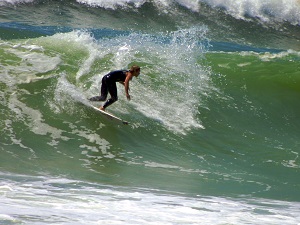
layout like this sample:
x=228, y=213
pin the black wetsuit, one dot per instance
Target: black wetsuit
x=109, y=86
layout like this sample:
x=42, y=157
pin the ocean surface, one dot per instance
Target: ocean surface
x=214, y=133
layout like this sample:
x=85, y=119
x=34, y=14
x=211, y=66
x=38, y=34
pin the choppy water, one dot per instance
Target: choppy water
x=214, y=117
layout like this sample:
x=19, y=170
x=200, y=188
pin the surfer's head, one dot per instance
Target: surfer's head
x=135, y=70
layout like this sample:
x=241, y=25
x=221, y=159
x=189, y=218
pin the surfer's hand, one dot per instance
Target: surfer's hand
x=128, y=97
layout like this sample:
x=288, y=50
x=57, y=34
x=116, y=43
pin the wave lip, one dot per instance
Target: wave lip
x=265, y=11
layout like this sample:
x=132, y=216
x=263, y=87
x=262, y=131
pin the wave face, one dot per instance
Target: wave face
x=214, y=127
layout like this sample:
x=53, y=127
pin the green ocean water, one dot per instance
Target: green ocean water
x=214, y=117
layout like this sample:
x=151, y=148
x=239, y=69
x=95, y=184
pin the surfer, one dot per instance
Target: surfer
x=109, y=85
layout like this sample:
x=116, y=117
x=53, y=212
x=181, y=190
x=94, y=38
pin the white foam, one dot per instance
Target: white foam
x=4, y=2
x=112, y=4
x=33, y=63
x=48, y=200
x=160, y=165
x=266, y=11
x=171, y=96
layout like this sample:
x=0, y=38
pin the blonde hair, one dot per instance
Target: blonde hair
x=134, y=68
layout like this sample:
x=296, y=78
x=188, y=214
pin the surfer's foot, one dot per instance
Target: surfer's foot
x=102, y=108
x=95, y=98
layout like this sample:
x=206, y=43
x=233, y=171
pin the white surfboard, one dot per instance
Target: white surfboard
x=109, y=115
